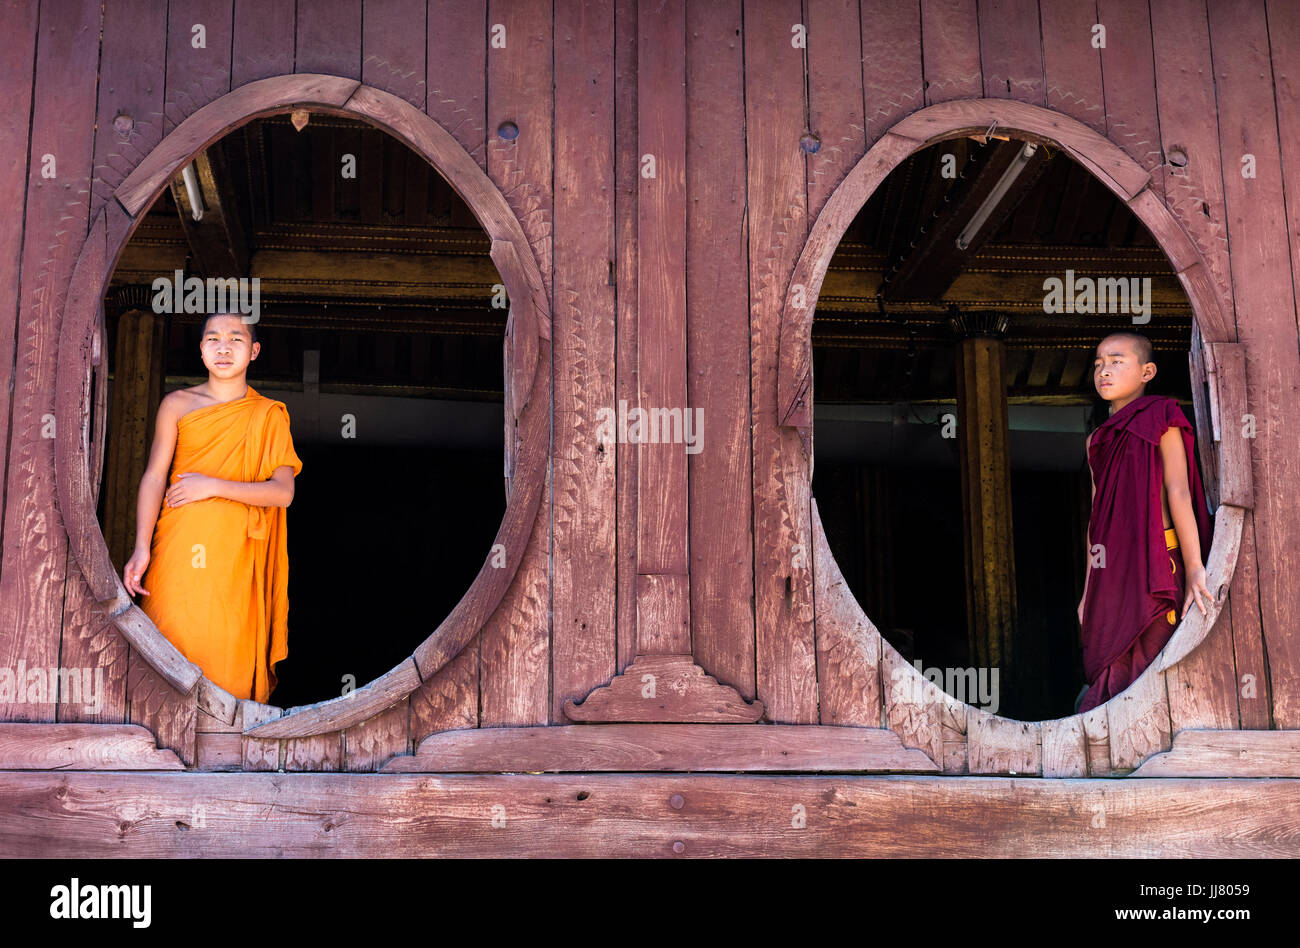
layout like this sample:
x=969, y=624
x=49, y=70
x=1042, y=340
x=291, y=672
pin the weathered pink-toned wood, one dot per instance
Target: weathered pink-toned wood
x=1227, y=753
x=785, y=648
x=664, y=747
x=891, y=63
x=921, y=713
x=264, y=40
x=198, y=56
x=515, y=678
x=457, y=71
x=717, y=341
x=996, y=745
x=950, y=46
x=217, y=751
x=218, y=704
x=394, y=45
x=366, y=746
x=449, y=699
x=848, y=644
x=259, y=754
x=1138, y=720
x=82, y=747
x=664, y=689
x=153, y=702
x=84, y=815
x=1128, y=80
x=1071, y=65
x=329, y=38
x=1265, y=305
x=584, y=585
x=346, y=711
x=1096, y=734
x=1011, y=50
x=321, y=752
x=1064, y=747
x=835, y=98
x=54, y=223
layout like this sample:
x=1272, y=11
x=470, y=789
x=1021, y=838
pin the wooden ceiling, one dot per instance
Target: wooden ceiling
x=387, y=273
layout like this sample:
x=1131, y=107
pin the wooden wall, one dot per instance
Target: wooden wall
x=724, y=529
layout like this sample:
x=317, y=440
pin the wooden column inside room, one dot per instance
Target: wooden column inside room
x=983, y=439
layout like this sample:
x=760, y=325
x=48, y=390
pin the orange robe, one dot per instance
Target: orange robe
x=219, y=569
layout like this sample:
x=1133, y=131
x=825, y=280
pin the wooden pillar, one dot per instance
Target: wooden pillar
x=138, y=365
x=983, y=438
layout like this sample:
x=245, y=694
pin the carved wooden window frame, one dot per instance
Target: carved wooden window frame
x=1217, y=372
x=81, y=370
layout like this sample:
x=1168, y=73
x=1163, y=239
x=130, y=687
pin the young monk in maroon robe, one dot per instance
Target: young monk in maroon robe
x=1149, y=524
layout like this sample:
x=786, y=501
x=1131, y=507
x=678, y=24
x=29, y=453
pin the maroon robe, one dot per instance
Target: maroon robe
x=1135, y=590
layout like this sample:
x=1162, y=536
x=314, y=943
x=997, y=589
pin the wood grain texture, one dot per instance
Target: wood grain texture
x=1227, y=753
x=82, y=747
x=33, y=563
x=627, y=174
x=1128, y=81
x=950, y=46
x=198, y=57
x=152, y=702
x=82, y=815
x=329, y=38
x=997, y=745
x=848, y=644
x=1266, y=324
x=515, y=675
x=366, y=746
x=259, y=754
x=1064, y=747
x=920, y=712
x=664, y=747
x=394, y=45
x=584, y=551
x=1096, y=735
x=449, y=699
x=835, y=96
x=19, y=43
x=1011, y=50
x=457, y=72
x=1138, y=720
x=264, y=40
x=321, y=752
x=1071, y=65
x=663, y=603
x=343, y=712
x=664, y=689
x=785, y=648
x=717, y=349
x=891, y=63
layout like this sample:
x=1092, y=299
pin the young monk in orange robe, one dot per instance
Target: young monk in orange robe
x=218, y=564
x=1149, y=521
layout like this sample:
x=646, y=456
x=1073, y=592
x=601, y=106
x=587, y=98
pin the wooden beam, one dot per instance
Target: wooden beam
x=1198, y=753
x=86, y=815
x=82, y=747
x=664, y=747
x=935, y=260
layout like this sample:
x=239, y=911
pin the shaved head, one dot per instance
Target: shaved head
x=1140, y=343
x=251, y=327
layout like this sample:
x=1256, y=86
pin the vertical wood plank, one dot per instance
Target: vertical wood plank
x=717, y=348
x=1128, y=78
x=515, y=679
x=198, y=56
x=774, y=110
x=155, y=704
x=322, y=752
x=263, y=40
x=848, y=645
x=627, y=176
x=33, y=566
x=372, y=743
x=583, y=650
x=1071, y=65
x=835, y=100
x=950, y=50
x=457, y=71
x=892, y=80
x=1011, y=52
x=131, y=68
x=329, y=38
x=1266, y=324
x=662, y=492
x=394, y=44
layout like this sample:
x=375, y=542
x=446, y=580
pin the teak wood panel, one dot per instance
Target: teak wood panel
x=1152, y=103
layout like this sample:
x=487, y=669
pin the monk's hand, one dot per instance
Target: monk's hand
x=189, y=487
x=1195, y=589
x=133, y=572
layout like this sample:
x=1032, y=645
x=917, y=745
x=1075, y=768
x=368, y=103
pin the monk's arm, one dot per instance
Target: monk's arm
x=276, y=492
x=1087, y=547
x=153, y=483
x=1174, y=459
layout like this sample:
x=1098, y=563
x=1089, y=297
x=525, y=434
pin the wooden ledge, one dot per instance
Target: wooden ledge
x=82, y=747
x=1227, y=754
x=754, y=748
